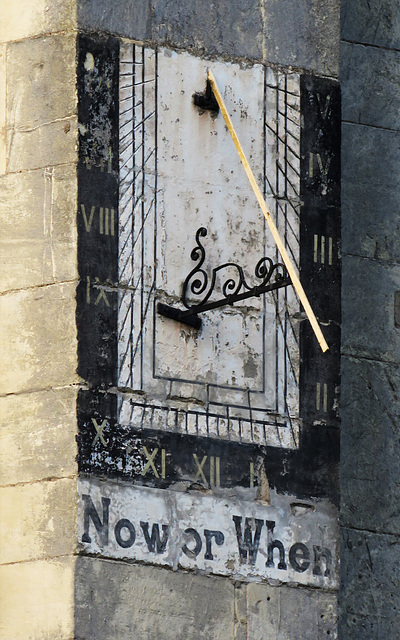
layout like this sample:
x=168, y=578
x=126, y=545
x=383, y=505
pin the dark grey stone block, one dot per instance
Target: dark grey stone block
x=368, y=328
x=120, y=601
x=225, y=27
x=353, y=627
x=296, y=32
x=370, y=594
x=128, y=18
x=359, y=145
x=370, y=80
x=303, y=34
x=370, y=221
x=370, y=192
x=286, y=612
x=370, y=452
x=371, y=21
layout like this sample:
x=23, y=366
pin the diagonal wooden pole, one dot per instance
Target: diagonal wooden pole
x=281, y=247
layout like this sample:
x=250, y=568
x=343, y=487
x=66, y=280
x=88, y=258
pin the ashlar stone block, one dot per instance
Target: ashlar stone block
x=3, y=90
x=371, y=22
x=22, y=19
x=229, y=28
x=370, y=79
x=370, y=188
x=118, y=600
x=37, y=600
x=48, y=145
x=38, y=241
x=38, y=338
x=40, y=81
x=127, y=18
x=370, y=466
x=370, y=599
x=41, y=102
x=369, y=288
x=38, y=520
x=284, y=613
x=303, y=34
x=37, y=436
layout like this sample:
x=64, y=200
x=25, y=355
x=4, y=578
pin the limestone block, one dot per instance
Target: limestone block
x=40, y=81
x=303, y=34
x=369, y=288
x=37, y=600
x=38, y=338
x=37, y=435
x=370, y=600
x=117, y=600
x=22, y=19
x=371, y=22
x=231, y=28
x=49, y=144
x=41, y=102
x=38, y=241
x=370, y=467
x=38, y=520
x=129, y=18
x=284, y=613
x=370, y=188
x=378, y=70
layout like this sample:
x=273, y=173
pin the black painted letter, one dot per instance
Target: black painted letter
x=90, y=512
x=209, y=535
x=276, y=544
x=125, y=524
x=154, y=543
x=246, y=544
x=322, y=552
x=299, y=557
x=192, y=553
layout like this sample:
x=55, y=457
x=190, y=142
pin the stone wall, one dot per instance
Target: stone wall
x=125, y=434
x=53, y=586
x=38, y=188
x=370, y=203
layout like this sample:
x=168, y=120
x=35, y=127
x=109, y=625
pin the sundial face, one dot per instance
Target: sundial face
x=237, y=378
x=243, y=408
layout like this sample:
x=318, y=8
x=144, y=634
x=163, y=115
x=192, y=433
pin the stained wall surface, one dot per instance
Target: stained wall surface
x=370, y=201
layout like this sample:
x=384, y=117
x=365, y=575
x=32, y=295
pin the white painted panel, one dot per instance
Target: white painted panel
x=295, y=543
x=179, y=170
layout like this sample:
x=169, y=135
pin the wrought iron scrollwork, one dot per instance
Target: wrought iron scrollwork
x=200, y=282
x=199, y=285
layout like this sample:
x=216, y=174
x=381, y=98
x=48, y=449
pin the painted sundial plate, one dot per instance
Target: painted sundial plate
x=244, y=362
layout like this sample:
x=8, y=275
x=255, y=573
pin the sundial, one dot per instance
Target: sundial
x=200, y=180
x=206, y=372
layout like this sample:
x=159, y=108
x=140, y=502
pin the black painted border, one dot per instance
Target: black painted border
x=310, y=471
